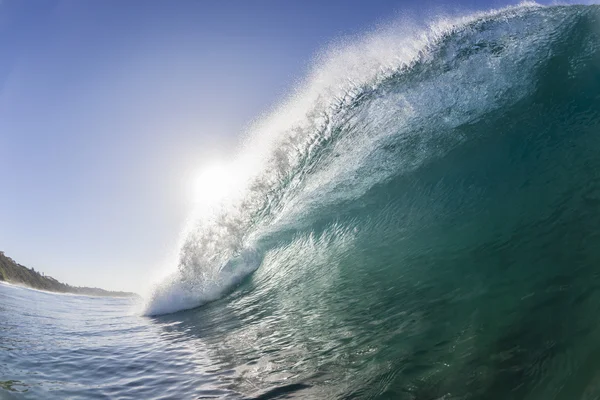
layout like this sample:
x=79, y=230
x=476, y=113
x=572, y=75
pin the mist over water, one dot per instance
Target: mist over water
x=418, y=221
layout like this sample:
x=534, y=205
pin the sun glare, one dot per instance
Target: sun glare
x=211, y=184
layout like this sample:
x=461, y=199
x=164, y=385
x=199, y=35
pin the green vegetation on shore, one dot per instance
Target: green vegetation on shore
x=17, y=274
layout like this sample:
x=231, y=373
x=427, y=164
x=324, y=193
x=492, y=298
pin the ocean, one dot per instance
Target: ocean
x=417, y=221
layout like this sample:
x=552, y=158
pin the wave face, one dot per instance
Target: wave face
x=418, y=221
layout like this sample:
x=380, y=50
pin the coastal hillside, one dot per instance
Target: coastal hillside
x=12, y=272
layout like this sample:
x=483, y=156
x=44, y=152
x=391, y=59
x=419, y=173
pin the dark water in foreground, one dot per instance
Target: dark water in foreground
x=77, y=347
x=434, y=237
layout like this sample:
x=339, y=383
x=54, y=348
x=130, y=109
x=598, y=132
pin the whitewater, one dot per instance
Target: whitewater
x=418, y=220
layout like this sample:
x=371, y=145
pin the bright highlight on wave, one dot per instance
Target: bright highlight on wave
x=212, y=184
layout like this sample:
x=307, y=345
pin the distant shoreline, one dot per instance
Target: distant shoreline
x=17, y=274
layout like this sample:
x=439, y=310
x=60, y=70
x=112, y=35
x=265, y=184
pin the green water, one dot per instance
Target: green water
x=465, y=262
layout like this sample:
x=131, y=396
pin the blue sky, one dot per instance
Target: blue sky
x=107, y=108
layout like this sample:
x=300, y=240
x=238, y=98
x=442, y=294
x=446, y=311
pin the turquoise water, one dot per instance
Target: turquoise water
x=422, y=224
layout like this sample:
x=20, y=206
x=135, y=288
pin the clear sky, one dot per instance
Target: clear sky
x=108, y=109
